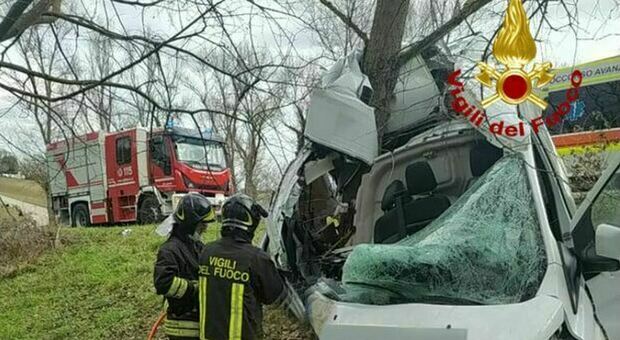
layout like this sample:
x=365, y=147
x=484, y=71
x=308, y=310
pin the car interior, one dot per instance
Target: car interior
x=411, y=208
x=400, y=195
x=411, y=203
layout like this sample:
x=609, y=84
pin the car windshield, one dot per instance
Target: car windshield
x=192, y=151
x=487, y=248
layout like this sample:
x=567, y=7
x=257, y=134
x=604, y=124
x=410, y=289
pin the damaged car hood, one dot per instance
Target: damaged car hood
x=534, y=319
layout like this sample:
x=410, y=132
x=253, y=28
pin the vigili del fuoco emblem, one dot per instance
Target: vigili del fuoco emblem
x=514, y=47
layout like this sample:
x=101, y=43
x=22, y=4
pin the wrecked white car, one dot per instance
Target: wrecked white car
x=454, y=234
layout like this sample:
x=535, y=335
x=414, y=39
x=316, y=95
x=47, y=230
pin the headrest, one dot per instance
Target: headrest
x=482, y=157
x=393, y=191
x=420, y=178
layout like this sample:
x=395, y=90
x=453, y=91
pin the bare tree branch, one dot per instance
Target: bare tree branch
x=414, y=49
x=138, y=3
x=346, y=20
x=14, y=14
x=35, y=16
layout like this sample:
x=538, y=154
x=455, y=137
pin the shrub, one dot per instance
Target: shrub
x=34, y=169
x=21, y=240
x=587, y=168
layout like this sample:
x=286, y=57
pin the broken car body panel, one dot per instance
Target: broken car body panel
x=581, y=322
x=339, y=116
x=416, y=96
x=282, y=207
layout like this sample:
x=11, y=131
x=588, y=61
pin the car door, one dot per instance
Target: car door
x=601, y=209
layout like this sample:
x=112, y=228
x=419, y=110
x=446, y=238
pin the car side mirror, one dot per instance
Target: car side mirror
x=602, y=255
x=608, y=241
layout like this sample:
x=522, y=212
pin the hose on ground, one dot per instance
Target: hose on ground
x=156, y=325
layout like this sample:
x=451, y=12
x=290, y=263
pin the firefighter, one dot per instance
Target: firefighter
x=176, y=269
x=236, y=278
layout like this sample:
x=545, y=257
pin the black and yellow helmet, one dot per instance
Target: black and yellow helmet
x=243, y=212
x=193, y=209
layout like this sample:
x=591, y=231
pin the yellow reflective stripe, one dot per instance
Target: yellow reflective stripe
x=210, y=216
x=177, y=288
x=186, y=324
x=182, y=288
x=236, y=312
x=182, y=332
x=174, y=287
x=181, y=328
x=202, y=297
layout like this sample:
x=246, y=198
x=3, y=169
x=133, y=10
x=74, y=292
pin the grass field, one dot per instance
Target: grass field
x=23, y=190
x=97, y=286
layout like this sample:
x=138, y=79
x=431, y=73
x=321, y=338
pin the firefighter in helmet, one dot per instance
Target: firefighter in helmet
x=176, y=269
x=236, y=278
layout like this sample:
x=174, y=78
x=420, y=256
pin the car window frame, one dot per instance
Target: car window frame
x=570, y=269
x=563, y=212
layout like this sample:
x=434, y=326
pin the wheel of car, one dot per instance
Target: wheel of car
x=80, y=216
x=149, y=211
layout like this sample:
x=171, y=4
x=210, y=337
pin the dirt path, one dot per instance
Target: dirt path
x=39, y=214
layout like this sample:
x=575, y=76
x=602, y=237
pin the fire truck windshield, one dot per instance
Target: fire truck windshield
x=192, y=152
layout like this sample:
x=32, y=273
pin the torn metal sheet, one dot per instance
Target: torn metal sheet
x=416, y=96
x=284, y=205
x=318, y=168
x=338, y=117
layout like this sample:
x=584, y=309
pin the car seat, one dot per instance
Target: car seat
x=390, y=227
x=425, y=205
x=482, y=156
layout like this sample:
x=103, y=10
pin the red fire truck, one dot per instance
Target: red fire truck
x=133, y=176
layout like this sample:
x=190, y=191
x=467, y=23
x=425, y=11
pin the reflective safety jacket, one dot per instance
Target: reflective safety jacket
x=236, y=278
x=176, y=278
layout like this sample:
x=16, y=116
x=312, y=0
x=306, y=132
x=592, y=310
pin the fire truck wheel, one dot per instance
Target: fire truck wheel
x=80, y=216
x=149, y=211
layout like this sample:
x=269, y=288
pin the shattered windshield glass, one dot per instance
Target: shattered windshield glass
x=485, y=249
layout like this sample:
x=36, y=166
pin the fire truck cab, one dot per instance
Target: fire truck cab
x=134, y=176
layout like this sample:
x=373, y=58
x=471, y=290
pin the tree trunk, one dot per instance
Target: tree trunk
x=230, y=161
x=250, y=181
x=381, y=55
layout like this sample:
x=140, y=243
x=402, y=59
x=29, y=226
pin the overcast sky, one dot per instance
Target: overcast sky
x=597, y=38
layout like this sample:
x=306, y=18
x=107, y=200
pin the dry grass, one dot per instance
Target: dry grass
x=23, y=190
x=280, y=325
x=21, y=241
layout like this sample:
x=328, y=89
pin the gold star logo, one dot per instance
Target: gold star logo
x=514, y=47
